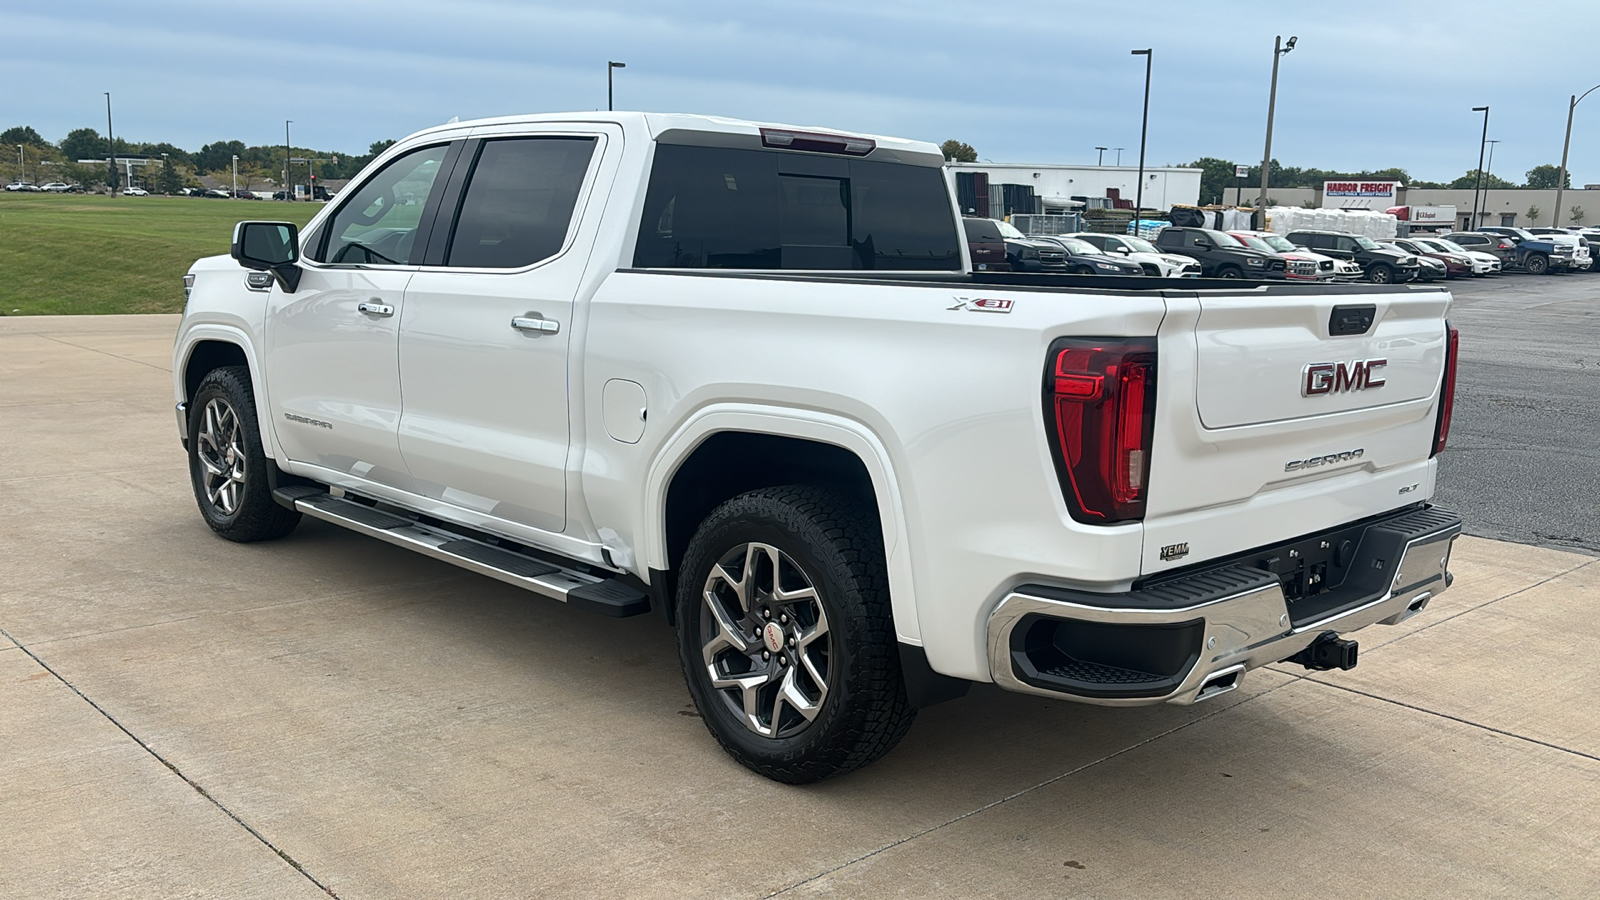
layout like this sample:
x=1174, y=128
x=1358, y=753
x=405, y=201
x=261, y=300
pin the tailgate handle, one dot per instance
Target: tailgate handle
x=1353, y=319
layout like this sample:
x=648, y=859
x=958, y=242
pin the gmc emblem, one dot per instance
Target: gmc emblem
x=1339, y=378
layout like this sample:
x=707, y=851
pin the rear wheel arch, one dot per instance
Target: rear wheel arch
x=720, y=455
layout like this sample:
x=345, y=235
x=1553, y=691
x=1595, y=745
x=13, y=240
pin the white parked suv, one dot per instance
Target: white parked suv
x=1147, y=255
x=742, y=377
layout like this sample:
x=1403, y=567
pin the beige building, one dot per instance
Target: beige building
x=1507, y=206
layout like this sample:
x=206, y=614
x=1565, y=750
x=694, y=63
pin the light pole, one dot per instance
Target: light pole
x=236, y=176
x=1488, y=174
x=1279, y=50
x=166, y=178
x=288, y=192
x=1478, y=182
x=1102, y=160
x=611, y=67
x=1119, y=155
x=1138, y=194
x=1561, y=178
x=111, y=150
x=22, y=165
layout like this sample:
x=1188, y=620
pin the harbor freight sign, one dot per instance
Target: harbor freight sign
x=1373, y=189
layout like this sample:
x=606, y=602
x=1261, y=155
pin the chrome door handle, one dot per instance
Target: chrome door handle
x=375, y=308
x=536, y=323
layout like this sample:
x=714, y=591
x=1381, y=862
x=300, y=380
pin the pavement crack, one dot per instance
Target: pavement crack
x=198, y=788
x=102, y=352
x=1028, y=790
x=1458, y=719
x=1472, y=609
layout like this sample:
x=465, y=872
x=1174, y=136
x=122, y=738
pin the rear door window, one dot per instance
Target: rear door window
x=727, y=208
x=519, y=201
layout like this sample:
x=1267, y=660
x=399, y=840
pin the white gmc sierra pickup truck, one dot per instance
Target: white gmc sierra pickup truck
x=743, y=376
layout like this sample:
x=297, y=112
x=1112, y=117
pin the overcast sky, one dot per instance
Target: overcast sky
x=1376, y=85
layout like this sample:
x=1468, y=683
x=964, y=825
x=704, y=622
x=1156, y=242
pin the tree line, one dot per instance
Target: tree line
x=262, y=165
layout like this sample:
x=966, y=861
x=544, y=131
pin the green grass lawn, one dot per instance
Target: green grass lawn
x=64, y=254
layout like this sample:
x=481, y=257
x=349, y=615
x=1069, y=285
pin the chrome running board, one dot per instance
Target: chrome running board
x=570, y=585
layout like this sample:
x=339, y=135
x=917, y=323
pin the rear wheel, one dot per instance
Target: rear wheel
x=227, y=467
x=785, y=634
x=1380, y=274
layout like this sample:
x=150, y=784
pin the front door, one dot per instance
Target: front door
x=486, y=329
x=332, y=345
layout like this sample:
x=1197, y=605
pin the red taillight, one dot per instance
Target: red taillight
x=1447, y=390
x=1100, y=406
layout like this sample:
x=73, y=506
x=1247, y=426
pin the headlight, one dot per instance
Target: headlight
x=1254, y=261
x=1109, y=267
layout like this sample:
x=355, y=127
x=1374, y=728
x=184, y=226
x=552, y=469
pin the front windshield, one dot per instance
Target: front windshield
x=1255, y=243
x=1140, y=245
x=1224, y=240
x=1077, y=246
x=1278, y=242
x=1008, y=230
x=1366, y=243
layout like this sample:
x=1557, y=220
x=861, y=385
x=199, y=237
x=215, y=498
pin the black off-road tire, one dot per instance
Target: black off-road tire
x=838, y=545
x=1230, y=272
x=255, y=516
x=1380, y=274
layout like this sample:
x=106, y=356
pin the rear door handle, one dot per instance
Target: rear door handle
x=373, y=307
x=536, y=323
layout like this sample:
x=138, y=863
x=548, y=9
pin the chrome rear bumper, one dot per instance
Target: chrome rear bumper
x=1212, y=625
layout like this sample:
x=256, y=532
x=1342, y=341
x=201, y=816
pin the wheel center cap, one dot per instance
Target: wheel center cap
x=772, y=636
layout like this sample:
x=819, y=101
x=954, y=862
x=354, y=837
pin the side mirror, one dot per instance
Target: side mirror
x=269, y=247
x=1124, y=250
x=1202, y=242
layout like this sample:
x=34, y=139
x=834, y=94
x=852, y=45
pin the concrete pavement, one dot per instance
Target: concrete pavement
x=326, y=714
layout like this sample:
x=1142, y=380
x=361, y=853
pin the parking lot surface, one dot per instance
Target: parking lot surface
x=327, y=714
x=1524, y=456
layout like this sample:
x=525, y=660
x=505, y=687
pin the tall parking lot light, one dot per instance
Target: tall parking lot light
x=611, y=67
x=1279, y=50
x=1561, y=178
x=111, y=150
x=1488, y=173
x=1138, y=194
x=236, y=176
x=1478, y=182
x=288, y=192
x=1102, y=158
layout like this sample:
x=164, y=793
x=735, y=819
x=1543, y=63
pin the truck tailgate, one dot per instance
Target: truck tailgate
x=1280, y=415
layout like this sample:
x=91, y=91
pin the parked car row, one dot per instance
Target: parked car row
x=52, y=187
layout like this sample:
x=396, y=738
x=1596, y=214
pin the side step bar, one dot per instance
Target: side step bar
x=606, y=596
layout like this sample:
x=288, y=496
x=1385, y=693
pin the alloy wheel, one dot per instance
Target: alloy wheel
x=765, y=640
x=222, y=454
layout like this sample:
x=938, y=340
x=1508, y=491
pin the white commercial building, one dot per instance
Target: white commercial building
x=1063, y=188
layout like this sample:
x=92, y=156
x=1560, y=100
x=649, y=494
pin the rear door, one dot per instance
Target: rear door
x=1277, y=415
x=487, y=324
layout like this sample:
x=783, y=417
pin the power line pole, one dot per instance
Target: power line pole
x=1278, y=52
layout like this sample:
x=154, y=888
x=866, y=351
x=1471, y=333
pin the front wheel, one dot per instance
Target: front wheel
x=1230, y=272
x=786, y=637
x=1538, y=264
x=227, y=466
x=1380, y=274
